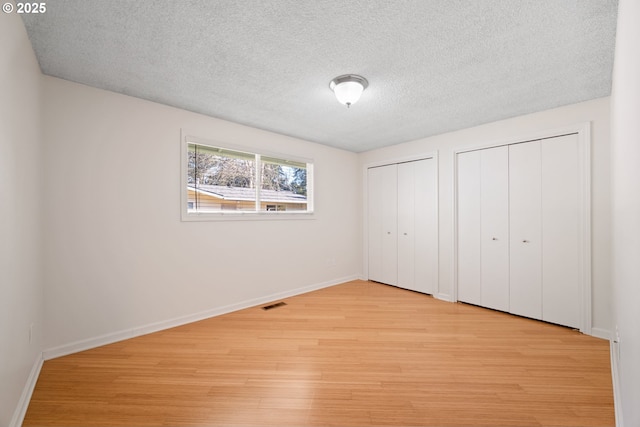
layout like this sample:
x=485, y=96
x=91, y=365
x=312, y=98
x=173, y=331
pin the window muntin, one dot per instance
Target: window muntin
x=221, y=180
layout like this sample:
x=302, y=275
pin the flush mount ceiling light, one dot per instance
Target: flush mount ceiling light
x=348, y=88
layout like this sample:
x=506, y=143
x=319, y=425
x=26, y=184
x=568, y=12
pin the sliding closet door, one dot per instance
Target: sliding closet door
x=469, y=256
x=417, y=226
x=494, y=214
x=383, y=224
x=525, y=230
x=561, y=233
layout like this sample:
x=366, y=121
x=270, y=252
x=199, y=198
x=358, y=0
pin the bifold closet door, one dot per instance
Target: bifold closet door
x=561, y=234
x=383, y=224
x=494, y=217
x=469, y=242
x=406, y=225
x=520, y=241
x=417, y=225
x=545, y=237
x=483, y=229
x=525, y=272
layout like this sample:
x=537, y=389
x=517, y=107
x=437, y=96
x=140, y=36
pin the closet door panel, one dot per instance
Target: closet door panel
x=494, y=211
x=382, y=216
x=561, y=234
x=426, y=225
x=389, y=210
x=525, y=290
x=406, y=229
x=469, y=242
x=375, y=205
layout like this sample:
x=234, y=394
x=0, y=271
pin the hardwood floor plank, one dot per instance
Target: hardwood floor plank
x=355, y=354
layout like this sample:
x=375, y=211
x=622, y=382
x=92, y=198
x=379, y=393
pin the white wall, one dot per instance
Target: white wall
x=596, y=111
x=625, y=166
x=20, y=214
x=118, y=257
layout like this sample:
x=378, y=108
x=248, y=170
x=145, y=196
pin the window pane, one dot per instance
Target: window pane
x=220, y=180
x=284, y=185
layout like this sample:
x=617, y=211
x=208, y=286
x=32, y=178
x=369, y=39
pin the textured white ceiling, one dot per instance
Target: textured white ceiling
x=433, y=65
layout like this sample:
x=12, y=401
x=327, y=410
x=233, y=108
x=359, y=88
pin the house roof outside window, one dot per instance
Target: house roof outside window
x=248, y=194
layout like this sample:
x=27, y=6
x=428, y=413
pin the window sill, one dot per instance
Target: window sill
x=245, y=216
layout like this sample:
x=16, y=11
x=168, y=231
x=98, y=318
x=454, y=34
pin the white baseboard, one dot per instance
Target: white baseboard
x=111, y=338
x=25, y=398
x=605, y=334
x=615, y=377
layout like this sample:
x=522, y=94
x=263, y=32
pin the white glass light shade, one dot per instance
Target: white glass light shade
x=348, y=93
x=348, y=88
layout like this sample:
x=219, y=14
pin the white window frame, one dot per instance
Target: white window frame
x=187, y=215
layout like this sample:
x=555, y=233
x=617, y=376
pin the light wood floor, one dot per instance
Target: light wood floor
x=359, y=353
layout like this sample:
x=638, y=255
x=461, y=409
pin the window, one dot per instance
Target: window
x=222, y=181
